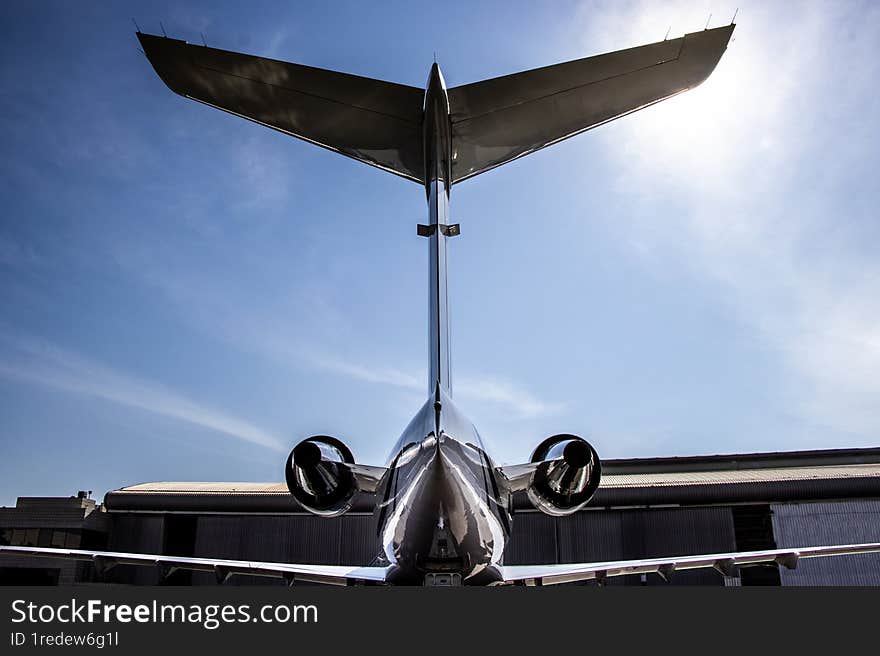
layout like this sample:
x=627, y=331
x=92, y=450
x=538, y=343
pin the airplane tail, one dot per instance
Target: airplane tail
x=502, y=119
x=379, y=123
x=493, y=122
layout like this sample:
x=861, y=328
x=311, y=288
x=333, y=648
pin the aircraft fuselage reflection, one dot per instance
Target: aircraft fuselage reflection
x=441, y=509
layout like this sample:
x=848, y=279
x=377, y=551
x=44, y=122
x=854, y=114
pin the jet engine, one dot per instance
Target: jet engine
x=319, y=475
x=567, y=476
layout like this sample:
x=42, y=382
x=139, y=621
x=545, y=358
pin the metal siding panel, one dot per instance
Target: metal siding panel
x=683, y=531
x=532, y=540
x=644, y=533
x=218, y=537
x=688, y=531
x=313, y=539
x=272, y=539
x=136, y=534
x=591, y=536
x=266, y=538
x=359, y=544
x=291, y=538
x=827, y=523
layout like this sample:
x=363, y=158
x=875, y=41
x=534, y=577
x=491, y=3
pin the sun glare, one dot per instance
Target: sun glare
x=703, y=129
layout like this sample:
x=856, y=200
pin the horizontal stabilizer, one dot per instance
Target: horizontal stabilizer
x=498, y=120
x=381, y=123
x=376, y=122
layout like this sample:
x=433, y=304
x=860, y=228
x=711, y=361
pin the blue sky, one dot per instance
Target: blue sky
x=184, y=295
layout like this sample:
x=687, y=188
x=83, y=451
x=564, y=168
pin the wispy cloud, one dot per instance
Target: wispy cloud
x=508, y=394
x=358, y=371
x=42, y=363
x=263, y=176
x=276, y=42
x=774, y=237
x=267, y=330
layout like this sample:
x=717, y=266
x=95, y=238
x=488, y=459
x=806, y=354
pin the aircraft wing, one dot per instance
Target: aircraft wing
x=498, y=120
x=223, y=569
x=376, y=122
x=726, y=563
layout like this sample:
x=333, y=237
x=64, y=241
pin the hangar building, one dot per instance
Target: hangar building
x=644, y=508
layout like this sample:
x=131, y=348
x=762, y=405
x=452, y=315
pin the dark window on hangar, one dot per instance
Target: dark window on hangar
x=91, y=539
x=753, y=525
x=42, y=537
x=24, y=537
x=180, y=540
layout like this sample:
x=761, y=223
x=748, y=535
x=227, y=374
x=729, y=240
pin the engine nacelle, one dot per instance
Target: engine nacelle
x=318, y=475
x=567, y=477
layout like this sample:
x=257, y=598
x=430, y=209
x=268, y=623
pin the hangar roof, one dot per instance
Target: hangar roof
x=692, y=480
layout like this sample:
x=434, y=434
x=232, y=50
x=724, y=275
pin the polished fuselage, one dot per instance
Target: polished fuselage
x=441, y=508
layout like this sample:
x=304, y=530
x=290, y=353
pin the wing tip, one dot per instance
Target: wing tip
x=702, y=51
x=161, y=51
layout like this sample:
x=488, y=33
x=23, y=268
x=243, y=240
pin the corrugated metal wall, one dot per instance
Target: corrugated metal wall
x=349, y=540
x=623, y=534
x=594, y=535
x=533, y=540
x=137, y=533
x=537, y=538
x=825, y=523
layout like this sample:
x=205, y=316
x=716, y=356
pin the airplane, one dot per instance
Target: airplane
x=443, y=508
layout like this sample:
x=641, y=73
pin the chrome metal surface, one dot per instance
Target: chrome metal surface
x=439, y=369
x=566, y=477
x=441, y=509
x=438, y=149
x=319, y=476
